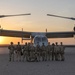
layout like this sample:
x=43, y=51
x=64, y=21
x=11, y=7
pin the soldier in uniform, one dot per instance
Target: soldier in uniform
x=38, y=52
x=57, y=52
x=62, y=51
x=11, y=51
x=53, y=51
x=43, y=52
x=49, y=51
x=25, y=48
x=32, y=57
x=18, y=51
x=28, y=52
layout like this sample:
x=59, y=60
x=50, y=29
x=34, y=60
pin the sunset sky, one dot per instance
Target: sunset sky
x=38, y=21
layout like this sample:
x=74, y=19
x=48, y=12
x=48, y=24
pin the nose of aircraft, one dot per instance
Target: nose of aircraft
x=40, y=40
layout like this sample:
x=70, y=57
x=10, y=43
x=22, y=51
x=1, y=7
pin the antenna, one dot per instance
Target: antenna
x=0, y=26
x=22, y=37
x=46, y=30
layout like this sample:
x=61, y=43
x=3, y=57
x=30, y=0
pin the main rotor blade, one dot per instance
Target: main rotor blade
x=2, y=16
x=61, y=16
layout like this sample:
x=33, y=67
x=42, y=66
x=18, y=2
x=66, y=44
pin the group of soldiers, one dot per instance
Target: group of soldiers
x=30, y=53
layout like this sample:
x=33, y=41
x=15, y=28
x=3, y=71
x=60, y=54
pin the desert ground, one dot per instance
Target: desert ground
x=66, y=67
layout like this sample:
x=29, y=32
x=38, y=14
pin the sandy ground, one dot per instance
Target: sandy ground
x=66, y=67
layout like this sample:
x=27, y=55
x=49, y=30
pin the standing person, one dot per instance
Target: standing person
x=18, y=50
x=25, y=53
x=62, y=48
x=53, y=51
x=28, y=52
x=57, y=52
x=32, y=57
x=49, y=52
x=38, y=52
x=11, y=51
x=43, y=47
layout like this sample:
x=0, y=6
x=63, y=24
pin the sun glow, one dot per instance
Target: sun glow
x=1, y=39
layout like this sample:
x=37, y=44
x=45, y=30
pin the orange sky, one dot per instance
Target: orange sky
x=7, y=40
x=36, y=26
x=38, y=21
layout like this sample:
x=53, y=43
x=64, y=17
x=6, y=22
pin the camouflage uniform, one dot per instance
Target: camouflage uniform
x=53, y=51
x=57, y=52
x=11, y=51
x=62, y=52
x=25, y=48
x=32, y=57
x=28, y=52
x=18, y=51
x=38, y=55
x=49, y=52
x=43, y=52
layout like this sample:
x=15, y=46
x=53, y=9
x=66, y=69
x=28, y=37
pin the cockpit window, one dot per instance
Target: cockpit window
x=38, y=38
x=44, y=39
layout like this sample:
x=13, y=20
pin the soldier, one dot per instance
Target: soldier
x=28, y=52
x=53, y=51
x=25, y=48
x=62, y=51
x=49, y=51
x=57, y=52
x=38, y=52
x=43, y=52
x=11, y=51
x=18, y=51
x=32, y=57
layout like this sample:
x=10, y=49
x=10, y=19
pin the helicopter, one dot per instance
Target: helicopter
x=35, y=37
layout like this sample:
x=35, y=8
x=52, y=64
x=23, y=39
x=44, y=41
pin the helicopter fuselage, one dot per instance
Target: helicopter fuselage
x=40, y=39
